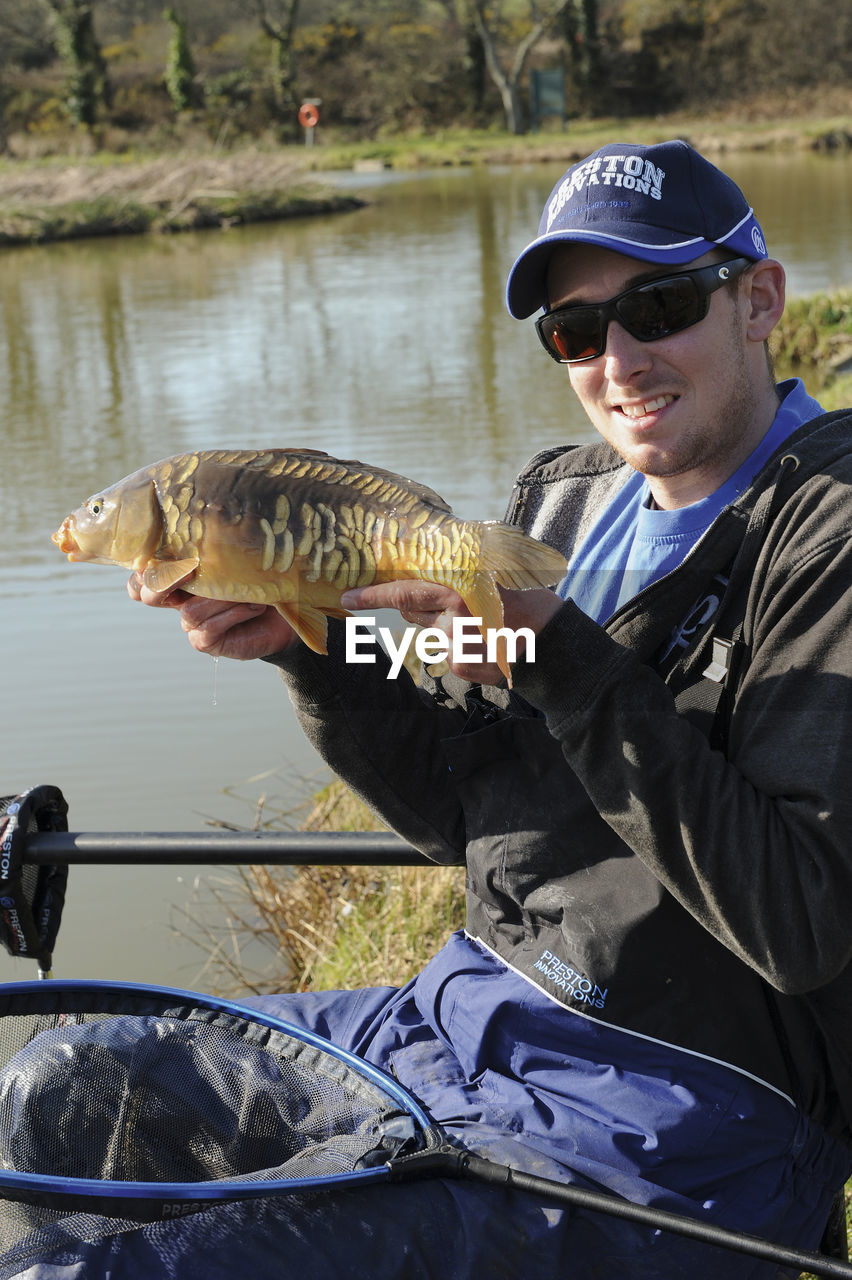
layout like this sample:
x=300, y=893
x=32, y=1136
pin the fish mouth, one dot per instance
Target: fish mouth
x=65, y=540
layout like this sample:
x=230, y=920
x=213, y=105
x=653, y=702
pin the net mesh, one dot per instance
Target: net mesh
x=171, y=1094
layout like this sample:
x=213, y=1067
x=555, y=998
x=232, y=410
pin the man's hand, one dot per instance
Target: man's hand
x=218, y=627
x=427, y=604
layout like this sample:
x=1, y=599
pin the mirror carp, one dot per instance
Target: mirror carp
x=295, y=528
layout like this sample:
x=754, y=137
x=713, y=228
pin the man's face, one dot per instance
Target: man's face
x=684, y=410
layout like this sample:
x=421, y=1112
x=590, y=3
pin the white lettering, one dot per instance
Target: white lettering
x=630, y=172
x=396, y=652
x=511, y=638
x=467, y=629
x=654, y=176
x=433, y=645
x=569, y=980
x=357, y=631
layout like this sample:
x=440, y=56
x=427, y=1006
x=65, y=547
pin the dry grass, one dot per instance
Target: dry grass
x=167, y=193
x=157, y=180
x=271, y=929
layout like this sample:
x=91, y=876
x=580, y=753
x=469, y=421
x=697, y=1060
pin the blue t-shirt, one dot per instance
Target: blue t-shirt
x=633, y=544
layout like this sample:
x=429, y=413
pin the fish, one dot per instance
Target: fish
x=294, y=528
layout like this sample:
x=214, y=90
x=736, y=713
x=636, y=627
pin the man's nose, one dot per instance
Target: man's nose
x=624, y=355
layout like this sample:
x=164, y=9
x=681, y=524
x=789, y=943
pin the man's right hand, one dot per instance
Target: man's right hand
x=221, y=628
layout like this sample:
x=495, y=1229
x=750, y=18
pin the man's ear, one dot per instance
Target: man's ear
x=764, y=285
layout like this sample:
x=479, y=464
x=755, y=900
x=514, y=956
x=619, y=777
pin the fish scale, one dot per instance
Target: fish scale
x=295, y=528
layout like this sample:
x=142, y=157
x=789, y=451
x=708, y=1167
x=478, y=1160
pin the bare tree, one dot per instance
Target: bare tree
x=507, y=69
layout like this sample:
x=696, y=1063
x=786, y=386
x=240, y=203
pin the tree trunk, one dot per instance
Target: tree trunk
x=509, y=82
x=278, y=23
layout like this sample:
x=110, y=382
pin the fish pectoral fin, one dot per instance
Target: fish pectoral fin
x=484, y=602
x=309, y=624
x=164, y=575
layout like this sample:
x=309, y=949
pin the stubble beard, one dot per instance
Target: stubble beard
x=703, y=446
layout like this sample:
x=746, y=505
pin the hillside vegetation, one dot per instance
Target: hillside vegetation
x=120, y=74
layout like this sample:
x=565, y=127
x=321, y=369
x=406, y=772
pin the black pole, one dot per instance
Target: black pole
x=662, y=1219
x=286, y=848
x=441, y=1159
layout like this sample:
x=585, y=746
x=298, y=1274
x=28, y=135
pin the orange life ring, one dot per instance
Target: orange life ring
x=308, y=115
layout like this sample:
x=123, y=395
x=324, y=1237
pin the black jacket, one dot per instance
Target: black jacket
x=656, y=850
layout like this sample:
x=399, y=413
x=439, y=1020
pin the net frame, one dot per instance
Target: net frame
x=146, y=1201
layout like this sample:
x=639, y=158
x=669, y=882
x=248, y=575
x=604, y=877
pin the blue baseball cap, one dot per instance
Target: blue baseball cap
x=664, y=203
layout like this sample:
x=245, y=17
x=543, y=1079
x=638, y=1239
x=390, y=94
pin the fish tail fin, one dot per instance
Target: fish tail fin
x=508, y=557
x=517, y=560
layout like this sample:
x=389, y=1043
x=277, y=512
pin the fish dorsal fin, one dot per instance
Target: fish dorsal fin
x=343, y=471
x=164, y=575
x=391, y=478
x=421, y=491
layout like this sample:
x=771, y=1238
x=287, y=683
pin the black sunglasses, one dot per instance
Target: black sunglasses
x=647, y=311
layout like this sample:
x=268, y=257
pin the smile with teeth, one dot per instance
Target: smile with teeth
x=649, y=406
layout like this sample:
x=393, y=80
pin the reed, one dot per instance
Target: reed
x=273, y=929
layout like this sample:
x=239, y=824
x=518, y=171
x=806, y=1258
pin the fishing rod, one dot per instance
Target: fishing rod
x=283, y=848
x=37, y=849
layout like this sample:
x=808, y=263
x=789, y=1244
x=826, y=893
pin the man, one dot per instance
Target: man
x=652, y=993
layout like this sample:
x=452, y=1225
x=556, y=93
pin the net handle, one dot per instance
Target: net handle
x=440, y=1159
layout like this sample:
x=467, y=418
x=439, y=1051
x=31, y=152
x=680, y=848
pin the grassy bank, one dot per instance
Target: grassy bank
x=814, y=341
x=197, y=185
x=178, y=192
x=323, y=928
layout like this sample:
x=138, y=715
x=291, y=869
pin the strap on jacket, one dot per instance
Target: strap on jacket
x=707, y=702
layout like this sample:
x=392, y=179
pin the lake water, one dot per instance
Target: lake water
x=380, y=335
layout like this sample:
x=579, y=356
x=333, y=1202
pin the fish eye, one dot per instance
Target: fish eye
x=95, y=506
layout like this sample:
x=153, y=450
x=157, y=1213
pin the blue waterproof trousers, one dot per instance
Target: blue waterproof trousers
x=522, y=1081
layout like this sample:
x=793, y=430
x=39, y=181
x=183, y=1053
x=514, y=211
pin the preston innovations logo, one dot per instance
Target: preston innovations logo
x=8, y=828
x=580, y=988
x=625, y=173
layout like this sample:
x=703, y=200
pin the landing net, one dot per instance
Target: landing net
x=144, y=1103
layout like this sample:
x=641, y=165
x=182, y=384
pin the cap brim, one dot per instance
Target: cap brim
x=526, y=288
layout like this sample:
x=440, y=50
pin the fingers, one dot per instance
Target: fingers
x=221, y=628
x=172, y=599
x=422, y=603
x=240, y=631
